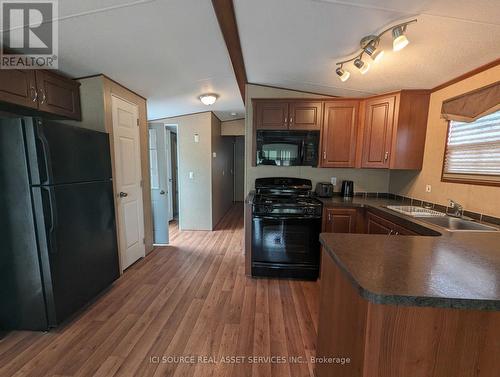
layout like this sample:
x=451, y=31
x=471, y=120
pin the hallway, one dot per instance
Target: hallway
x=182, y=301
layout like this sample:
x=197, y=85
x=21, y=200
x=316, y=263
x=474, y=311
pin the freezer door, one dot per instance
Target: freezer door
x=22, y=304
x=59, y=153
x=79, y=239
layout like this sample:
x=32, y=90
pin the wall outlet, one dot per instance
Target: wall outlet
x=428, y=188
x=196, y=138
x=191, y=175
x=333, y=181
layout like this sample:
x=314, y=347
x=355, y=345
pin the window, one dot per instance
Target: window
x=473, y=151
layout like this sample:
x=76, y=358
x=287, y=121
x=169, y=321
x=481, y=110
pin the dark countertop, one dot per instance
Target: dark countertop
x=438, y=268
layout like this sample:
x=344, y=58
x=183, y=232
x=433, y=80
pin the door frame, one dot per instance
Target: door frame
x=110, y=129
x=176, y=125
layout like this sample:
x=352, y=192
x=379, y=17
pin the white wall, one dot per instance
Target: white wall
x=476, y=198
x=195, y=201
x=372, y=180
x=233, y=127
x=92, y=102
x=205, y=199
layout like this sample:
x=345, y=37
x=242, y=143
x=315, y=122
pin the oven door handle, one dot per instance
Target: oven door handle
x=287, y=217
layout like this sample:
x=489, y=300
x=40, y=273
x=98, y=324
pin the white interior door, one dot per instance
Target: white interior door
x=128, y=179
x=159, y=182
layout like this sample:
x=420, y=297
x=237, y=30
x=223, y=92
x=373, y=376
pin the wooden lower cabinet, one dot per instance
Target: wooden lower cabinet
x=340, y=220
x=399, y=341
x=379, y=225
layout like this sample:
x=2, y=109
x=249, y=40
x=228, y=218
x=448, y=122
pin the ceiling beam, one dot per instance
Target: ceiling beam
x=224, y=10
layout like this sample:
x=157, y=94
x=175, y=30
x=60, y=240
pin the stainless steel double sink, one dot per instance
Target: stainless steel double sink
x=452, y=224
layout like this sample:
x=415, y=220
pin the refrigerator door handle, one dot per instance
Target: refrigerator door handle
x=53, y=220
x=45, y=152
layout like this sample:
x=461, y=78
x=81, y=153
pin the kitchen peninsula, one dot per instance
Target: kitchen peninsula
x=416, y=305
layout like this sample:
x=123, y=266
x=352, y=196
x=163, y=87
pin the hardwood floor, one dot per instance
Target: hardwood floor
x=185, y=300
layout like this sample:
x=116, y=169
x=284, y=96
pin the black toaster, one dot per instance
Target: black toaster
x=324, y=189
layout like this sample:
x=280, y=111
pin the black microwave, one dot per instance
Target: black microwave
x=287, y=148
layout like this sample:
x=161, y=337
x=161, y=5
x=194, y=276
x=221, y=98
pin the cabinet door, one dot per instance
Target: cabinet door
x=271, y=115
x=305, y=115
x=339, y=134
x=379, y=119
x=18, y=87
x=58, y=95
x=377, y=225
x=340, y=220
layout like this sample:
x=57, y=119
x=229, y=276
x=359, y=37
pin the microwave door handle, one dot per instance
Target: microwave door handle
x=302, y=151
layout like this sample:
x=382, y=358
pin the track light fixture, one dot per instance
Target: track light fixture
x=369, y=45
x=343, y=74
x=361, y=65
x=399, y=40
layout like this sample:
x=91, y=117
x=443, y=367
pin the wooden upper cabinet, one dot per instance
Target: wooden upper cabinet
x=305, y=115
x=394, y=130
x=339, y=133
x=379, y=119
x=58, y=95
x=271, y=115
x=18, y=87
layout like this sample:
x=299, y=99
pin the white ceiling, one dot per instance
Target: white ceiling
x=295, y=43
x=169, y=51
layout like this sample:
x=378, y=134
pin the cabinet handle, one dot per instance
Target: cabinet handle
x=34, y=94
x=329, y=217
x=291, y=119
x=324, y=155
x=386, y=156
x=391, y=232
x=44, y=96
x=286, y=119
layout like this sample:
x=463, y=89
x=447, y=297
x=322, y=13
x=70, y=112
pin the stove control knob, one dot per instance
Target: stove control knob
x=268, y=209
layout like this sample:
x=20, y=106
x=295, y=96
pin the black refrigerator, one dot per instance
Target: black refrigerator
x=57, y=221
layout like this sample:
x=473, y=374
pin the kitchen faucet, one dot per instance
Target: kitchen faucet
x=457, y=209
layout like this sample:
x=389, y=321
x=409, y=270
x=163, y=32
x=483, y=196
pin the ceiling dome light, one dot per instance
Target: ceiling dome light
x=208, y=99
x=361, y=65
x=374, y=53
x=399, y=38
x=343, y=74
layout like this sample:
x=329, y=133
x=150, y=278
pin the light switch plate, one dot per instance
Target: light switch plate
x=214, y=154
x=333, y=181
x=191, y=175
x=196, y=138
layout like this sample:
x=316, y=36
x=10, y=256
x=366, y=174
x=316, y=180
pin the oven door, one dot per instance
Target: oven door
x=286, y=240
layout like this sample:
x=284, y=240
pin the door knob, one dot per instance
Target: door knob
x=162, y=192
x=123, y=194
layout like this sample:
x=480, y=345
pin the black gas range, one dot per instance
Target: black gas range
x=286, y=223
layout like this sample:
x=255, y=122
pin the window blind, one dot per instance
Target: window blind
x=473, y=149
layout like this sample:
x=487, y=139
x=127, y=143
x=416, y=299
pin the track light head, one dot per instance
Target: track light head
x=343, y=74
x=361, y=65
x=374, y=53
x=399, y=40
